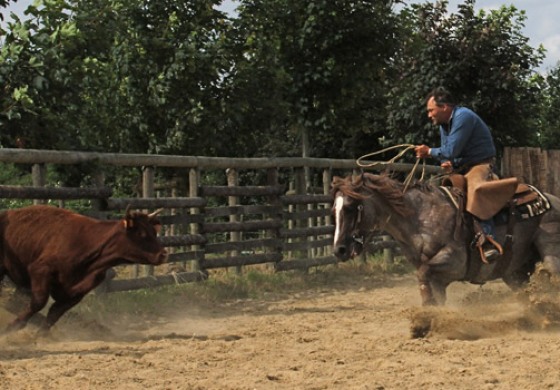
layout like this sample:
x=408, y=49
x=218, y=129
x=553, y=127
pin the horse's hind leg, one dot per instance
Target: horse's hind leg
x=551, y=264
x=548, y=238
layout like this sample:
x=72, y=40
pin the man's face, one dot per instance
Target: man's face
x=438, y=114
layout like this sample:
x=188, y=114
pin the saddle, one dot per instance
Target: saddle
x=527, y=199
x=526, y=202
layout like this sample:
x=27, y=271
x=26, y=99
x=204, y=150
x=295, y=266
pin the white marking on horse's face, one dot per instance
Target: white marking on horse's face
x=338, y=203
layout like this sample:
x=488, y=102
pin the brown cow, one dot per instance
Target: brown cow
x=52, y=251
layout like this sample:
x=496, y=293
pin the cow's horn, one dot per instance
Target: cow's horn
x=151, y=215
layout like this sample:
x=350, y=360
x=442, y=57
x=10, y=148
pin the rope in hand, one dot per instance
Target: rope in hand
x=405, y=148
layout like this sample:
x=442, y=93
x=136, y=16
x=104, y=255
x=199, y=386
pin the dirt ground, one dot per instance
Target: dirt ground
x=368, y=334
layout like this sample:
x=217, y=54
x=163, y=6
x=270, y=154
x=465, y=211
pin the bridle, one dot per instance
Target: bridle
x=358, y=238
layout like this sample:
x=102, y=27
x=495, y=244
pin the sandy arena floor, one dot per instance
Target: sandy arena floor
x=357, y=336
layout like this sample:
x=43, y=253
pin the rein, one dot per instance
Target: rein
x=406, y=148
x=359, y=239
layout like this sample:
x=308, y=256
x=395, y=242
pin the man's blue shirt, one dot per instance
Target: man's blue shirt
x=466, y=140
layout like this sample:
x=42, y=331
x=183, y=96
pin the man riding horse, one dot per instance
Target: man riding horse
x=467, y=148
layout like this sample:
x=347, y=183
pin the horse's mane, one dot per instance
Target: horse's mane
x=391, y=190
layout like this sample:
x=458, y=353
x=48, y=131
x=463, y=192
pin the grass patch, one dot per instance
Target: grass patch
x=226, y=286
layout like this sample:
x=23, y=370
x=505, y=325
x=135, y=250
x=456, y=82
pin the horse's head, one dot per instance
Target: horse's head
x=362, y=206
x=348, y=211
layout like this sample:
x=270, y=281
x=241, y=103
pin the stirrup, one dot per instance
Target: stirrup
x=489, y=255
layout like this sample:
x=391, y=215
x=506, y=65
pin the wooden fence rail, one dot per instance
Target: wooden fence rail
x=282, y=225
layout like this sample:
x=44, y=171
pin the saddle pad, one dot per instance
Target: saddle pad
x=539, y=205
x=530, y=203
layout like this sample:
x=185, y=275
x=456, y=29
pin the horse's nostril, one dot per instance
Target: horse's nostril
x=340, y=250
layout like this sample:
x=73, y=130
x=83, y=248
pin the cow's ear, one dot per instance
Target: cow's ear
x=128, y=222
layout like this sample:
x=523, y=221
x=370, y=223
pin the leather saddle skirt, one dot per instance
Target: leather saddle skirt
x=529, y=201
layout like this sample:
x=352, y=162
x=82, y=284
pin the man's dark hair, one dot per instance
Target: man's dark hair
x=441, y=96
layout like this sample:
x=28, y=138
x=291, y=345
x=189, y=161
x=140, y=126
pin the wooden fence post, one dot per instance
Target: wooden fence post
x=172, y=230
x=327, y=178
x=311, y=222
x=39, y=177
x=148, y=185
x=233, y=181
x=194, y=181
x=388, y=257
x=272, y=180
x=99, y=182
x=300, y=189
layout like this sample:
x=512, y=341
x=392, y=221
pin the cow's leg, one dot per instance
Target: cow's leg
x=88, y=283
x=2, y=274
x=39, y=298
x=57, y=309
x=40, y=281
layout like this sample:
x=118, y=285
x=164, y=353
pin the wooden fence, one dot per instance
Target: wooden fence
x=284, y=224
x=534, y=166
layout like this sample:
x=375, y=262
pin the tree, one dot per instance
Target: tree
x=34, y=72
x=313, y=68
x=482, y=58
x=112, y=75
x=550, y=124
x=4, y=4
x=171, y=64
x=184, y=78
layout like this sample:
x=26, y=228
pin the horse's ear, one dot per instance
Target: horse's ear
x=358, y=179
x=338, y=181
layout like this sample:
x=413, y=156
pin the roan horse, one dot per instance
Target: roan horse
x=424, y=221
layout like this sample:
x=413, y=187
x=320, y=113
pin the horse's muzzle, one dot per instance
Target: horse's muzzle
x=345, y=252
x=342, y=252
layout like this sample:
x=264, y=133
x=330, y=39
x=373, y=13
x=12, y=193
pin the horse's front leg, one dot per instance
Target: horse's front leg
x=432, y=291
x=426, y=291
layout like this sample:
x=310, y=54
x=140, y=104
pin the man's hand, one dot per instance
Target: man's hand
x=422, y=151
x=447, y=166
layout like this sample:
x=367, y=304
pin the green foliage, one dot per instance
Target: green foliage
x=13, y=175
x=550, y=125
x=482, y=58
x=20, y=175
x=170, y=63
x=312, y=67
x=111, y=75
x=346, y=76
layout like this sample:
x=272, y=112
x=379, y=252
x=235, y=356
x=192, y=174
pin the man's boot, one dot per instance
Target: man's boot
x=489, y=249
